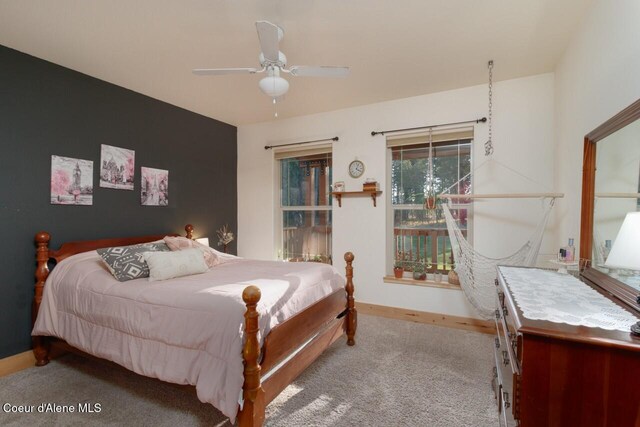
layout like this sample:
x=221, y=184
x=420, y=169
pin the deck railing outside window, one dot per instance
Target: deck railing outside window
x=307, y=244
x=430, y=246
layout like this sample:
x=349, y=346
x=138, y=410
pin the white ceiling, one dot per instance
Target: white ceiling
x=395, y=48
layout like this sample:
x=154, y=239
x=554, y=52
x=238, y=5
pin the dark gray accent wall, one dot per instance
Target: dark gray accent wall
x=47, y=109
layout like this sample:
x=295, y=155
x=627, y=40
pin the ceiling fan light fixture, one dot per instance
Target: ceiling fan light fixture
x=274, y=62
x=274, y=86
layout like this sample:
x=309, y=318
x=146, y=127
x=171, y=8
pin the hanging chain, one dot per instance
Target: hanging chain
x=430, y=160
x=488, y=146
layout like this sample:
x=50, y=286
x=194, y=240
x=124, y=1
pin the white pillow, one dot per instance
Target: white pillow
x=175, y=264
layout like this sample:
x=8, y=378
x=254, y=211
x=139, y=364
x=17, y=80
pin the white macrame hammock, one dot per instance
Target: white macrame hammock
x=477, y=273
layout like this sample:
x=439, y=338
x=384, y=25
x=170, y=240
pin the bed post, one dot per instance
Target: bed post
x=189, y=229
x=40, y=344
x=252, y=413
x=352, y=314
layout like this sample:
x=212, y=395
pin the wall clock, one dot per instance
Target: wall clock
x=356, y=169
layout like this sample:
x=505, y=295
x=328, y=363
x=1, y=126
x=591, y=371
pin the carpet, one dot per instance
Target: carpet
x=399, y=374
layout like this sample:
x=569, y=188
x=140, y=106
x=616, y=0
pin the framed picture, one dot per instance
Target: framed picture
x=155, y=187
x=117, y=166
x=71, y=181
x=338, y=186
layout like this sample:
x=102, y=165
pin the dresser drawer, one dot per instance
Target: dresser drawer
x=508, y=361
x=503, y=384
x=507, y=332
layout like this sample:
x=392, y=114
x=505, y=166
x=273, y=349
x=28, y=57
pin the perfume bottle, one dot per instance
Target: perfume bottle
x=571, y=251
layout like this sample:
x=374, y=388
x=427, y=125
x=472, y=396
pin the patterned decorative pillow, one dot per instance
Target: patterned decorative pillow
x=167, y=265
x=182, y=243
x=127, y=262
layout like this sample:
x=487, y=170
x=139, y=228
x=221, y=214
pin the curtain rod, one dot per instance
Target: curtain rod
x=482, y=120
x=267, y=147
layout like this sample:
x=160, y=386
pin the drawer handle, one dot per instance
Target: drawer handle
x=497, y=342
x=496, y=282
x=505, y=399
x=495, y=372
x=505, y=358
x=501, y=298
x=505, y=312
x=497, y=314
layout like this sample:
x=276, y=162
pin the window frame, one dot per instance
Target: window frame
x=281, y=209
x=390, y=253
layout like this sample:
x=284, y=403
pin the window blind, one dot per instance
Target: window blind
x=437, y=135
x=309, y=150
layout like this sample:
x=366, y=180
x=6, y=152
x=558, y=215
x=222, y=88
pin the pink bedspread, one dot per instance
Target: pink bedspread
x=187, y=330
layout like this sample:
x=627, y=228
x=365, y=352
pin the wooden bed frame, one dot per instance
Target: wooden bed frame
x=287, y=350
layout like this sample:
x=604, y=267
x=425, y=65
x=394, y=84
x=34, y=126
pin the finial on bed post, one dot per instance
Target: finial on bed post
x=40, y=344
x=253, y=410
x=189, y=229
x=352, y=314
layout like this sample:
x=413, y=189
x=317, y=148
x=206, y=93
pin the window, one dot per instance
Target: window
x=305, y=207
x=420, y=236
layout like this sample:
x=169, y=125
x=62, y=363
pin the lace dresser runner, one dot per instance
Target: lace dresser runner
x=561, y=298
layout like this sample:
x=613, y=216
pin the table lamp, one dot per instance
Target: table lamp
x=625, y=252
x=203, y=240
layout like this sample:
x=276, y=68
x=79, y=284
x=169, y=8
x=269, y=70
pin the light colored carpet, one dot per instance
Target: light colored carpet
x=399, y=373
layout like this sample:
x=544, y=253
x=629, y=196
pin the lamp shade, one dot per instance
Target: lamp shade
x=625, y=252
x=203, y=240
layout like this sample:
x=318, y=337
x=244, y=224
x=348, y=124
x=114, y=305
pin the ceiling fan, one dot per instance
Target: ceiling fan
x=274, y=62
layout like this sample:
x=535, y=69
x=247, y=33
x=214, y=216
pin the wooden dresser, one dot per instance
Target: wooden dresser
x=556, y=374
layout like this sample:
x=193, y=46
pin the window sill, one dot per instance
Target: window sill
x=425, y=283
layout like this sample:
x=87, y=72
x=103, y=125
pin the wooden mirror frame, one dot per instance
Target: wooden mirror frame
x=614, y=287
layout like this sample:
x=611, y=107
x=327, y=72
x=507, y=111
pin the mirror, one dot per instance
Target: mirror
x=616, y=193
x=611, y=190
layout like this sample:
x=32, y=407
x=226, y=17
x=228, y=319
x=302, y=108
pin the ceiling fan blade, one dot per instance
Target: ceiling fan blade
x=319, y=71
x=221, y=71
x=269, y=40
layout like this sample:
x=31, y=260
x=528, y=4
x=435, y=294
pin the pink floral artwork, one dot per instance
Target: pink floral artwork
x=71, y=181
x=117, y=167
x=155, y=187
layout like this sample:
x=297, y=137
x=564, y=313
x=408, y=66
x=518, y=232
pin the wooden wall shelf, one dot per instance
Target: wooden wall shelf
x=373, y=193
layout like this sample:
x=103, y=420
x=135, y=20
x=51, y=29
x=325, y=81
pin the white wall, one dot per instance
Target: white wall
x=596, y=78
x=523, y=133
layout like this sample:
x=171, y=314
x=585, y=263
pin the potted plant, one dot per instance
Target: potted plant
x=224, y=237
x=398, y=269
x=419, y=271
